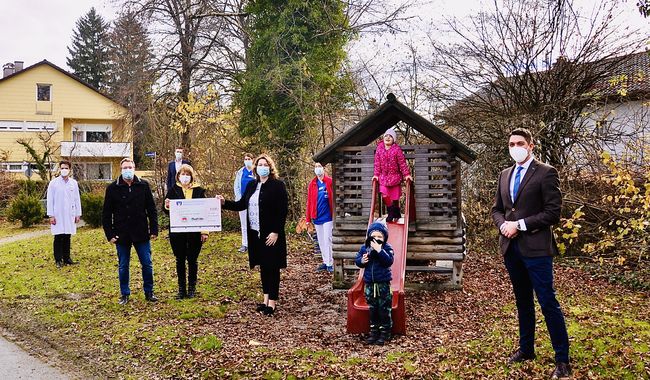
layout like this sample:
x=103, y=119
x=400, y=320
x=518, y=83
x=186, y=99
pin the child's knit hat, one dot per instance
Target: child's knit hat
x=378, y=226
x=392, y=133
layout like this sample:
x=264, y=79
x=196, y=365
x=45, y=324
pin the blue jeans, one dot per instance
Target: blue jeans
x=144, y=255
x=529, y=274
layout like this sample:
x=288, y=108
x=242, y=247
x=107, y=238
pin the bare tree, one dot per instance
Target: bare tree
x=195, y=43
x=532, y=63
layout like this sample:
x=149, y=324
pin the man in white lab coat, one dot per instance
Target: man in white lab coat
x=64, y=210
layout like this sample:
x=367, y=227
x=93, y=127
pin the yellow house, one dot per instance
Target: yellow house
x=43, y=101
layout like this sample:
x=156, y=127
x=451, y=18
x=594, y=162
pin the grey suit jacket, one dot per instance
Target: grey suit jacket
x=538, y=203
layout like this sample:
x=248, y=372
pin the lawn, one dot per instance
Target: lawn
x=451, y=335
x=8, y=229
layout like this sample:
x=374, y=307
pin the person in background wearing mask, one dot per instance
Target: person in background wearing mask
x=242, y=178
x=174, y=166
x=527, y=205
x=64, y=210
x=130, y=219
x=320, y=209
x=186, y=245
x=267, y=204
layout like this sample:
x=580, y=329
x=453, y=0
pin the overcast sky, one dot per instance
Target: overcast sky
x=33, y=30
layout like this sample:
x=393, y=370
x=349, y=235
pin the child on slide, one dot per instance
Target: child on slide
x=376, y=256
x=391, y=169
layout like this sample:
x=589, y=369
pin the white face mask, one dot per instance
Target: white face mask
x=319, y=171
x=179, y=156
x=65, y=172
x=518, y=153
x=184, y=178
x=248, y=164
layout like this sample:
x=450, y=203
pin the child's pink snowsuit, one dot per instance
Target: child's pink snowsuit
x=390, y=168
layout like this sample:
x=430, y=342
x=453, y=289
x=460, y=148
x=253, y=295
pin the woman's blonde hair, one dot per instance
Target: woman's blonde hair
x=185, y=168
x=273, y=172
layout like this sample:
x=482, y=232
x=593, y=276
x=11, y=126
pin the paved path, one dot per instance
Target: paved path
x=16, y=363
x=25, y=236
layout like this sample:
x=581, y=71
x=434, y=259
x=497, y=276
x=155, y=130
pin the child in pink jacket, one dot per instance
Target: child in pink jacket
x=390, y=169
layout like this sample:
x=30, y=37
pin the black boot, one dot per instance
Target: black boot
x=384, y=337
x=182, y=288
x=191, y=291
x=374, y=335
x=396, y=211
x=389, y=217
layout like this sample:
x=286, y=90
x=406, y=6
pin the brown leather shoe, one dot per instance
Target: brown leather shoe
x=519, y=357
x=562, y=371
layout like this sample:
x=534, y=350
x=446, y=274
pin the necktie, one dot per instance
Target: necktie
x=515, y=188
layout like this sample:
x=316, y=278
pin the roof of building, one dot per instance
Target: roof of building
x=73, y=76
x=385, y=116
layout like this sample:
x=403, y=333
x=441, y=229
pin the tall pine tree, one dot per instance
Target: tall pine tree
x=131, y=73
x=293, y=72
x=88, y=55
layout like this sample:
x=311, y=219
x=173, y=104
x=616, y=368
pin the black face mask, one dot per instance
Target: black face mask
x=370, y=238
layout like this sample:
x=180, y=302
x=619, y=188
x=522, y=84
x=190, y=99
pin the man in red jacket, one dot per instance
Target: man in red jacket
x=320, y=211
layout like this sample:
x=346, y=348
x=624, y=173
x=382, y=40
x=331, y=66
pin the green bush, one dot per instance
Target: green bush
x=32, y=188
x=25, y=208
x=91, y=208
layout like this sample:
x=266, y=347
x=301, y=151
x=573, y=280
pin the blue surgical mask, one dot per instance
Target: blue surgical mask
x=248, y=164
x=128, y=174
x=263, y=171
x=319, y=171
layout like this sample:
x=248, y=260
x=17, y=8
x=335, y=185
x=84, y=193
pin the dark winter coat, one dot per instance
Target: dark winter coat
x=273, y=205
x=129, y=211
x=377, y=269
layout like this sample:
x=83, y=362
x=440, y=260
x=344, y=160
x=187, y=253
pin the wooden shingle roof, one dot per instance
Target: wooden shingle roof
x=385, y=116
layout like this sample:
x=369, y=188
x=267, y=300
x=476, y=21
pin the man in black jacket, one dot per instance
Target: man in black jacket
x=130, y=218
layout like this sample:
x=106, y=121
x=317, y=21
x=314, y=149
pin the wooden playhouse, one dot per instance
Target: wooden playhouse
x=436, y=235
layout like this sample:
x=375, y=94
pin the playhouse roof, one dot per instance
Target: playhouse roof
x=385, y=116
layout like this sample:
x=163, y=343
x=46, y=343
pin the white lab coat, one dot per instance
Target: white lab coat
x=64, y=204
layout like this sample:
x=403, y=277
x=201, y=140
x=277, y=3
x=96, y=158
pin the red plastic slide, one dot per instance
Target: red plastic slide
x=358, y=317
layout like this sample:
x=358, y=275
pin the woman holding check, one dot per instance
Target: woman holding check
x=186, y=245
x=266, y=202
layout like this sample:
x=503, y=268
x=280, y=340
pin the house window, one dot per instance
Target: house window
x=91, y=132
x=14, y=167
x=29, y=126
x=43, y=92
x=93, y=171
x=98, y=136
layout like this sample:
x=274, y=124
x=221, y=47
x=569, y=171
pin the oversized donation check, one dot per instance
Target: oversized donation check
x=194, y=215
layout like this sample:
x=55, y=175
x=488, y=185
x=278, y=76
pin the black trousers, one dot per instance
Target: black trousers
x=270, y=281
x=186, y=247
x=62, y=248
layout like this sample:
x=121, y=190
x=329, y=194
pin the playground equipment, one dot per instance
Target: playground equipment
x=433, y=236
x=398, y=238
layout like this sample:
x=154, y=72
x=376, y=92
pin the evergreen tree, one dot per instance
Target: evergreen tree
x=88, y=56
x=130, y=74
x=293, y=72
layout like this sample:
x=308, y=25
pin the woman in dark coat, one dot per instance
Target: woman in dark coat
x=266, y=202
x=186, y=245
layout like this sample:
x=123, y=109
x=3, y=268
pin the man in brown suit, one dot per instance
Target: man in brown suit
x=526, y=206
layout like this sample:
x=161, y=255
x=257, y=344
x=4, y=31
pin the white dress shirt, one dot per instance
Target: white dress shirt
x=525, y=165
